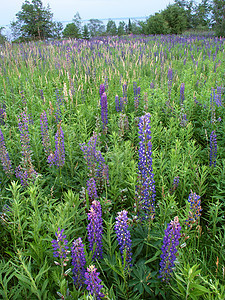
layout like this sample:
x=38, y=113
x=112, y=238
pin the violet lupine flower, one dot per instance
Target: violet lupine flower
x=95, y=161
x=4, y=156
x=78, y=262
x=104, y=110
x=195, y=209
x=58, y=158
x=25, y=171
x=45, y=134
x=213, y=149
x=125, y=92
x=95, y=229
x=93, y=281
x=59, y=147
x=182, y=93
x=152, y=85
x=176, y=181
x=169, y=249
x=170, y=79
x=91, y=188
x=119, y=104
x=60, y=244
x=145, y=189
x=101, y=89
x=123, y=237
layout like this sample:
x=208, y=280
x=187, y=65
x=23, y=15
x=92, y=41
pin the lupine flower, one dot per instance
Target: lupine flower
x=145, y=189
x=101, y=89
x=170, y=79
x=91, y=188
x=123, y=237
x=59, y=147
x=169, y=249
x=182, y=93
x=152, y=85
x=119, y=104
x=25, y=171
x=195, y=209
x=104, y=110
x=95, y=161
x=58, y=158
x=213, y=148
x=60, y=244
x=125, y=92
x=4, y=156
x=78, y=262
x=93, y=282
x=95, y=229
x=175, y=184
x=45, y=134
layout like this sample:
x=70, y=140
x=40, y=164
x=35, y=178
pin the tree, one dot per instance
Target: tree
x=121, y=28
x=96, y=27
x=129, y=27
x=85, y=33
x=57, y=30
x=111, y=28
x=70, y=31
x=202, y=16
x=2, y=37
x=33, y=21
x=156, y=24
x=176, y=18
x=218, y=15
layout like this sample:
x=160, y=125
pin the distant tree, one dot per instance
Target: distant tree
x=57, y=30
x=85, y=33
x=129, y=27
x=111, y=28
x=34, y=21
x=218, y=16
x=202, y=15
x=156, y=24
x=96, y=27
x=189, y=7
x=2, y=37
x=136, y=28
x=176, y=18
x=121, y=28
x=70, y=31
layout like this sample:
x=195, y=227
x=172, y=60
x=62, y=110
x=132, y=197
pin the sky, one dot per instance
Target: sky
x=64, y=10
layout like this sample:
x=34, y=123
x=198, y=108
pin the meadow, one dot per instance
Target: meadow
x=113, y=168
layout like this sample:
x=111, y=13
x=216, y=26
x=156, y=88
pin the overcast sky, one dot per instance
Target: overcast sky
x=64, y=10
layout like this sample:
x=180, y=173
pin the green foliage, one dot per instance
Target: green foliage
x=96, y=27
x=111, y=28
x=156, y=25
x=176, y=19
x=33, y=21
x=218, y=10
x=71, y=31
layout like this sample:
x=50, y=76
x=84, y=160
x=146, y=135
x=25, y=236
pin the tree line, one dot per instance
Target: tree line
x=35, y=22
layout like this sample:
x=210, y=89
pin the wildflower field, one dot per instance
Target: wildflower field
x=113, y=168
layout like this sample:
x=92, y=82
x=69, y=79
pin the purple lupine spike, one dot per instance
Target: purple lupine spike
x=104, y=110
x=152, y=85
x=117, y=103
x=4, y=156
x=95, y=229
x=170, y=79
x=78, y=262
x=169, y=249
x=60, y=244
x=45, y=134
x=182, y=93
x=213, y=149
x=93, y=281
x=125, y=92
x=95, y=161
x=195, y=209
x=145, y=189
x=25, y=171
x=176, y=181
x=91, y=188
x=123, y=237
x=59, y=156
x=135, y=88
x=101, y=89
